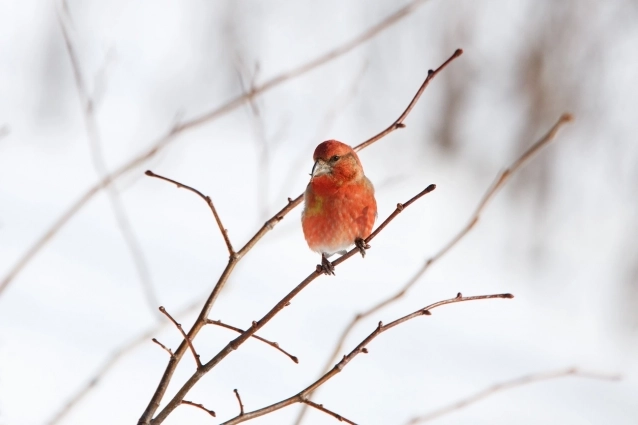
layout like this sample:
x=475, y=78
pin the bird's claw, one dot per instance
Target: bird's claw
x=362, y=246
x=326, y=266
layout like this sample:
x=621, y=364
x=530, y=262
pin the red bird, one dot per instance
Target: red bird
x=340, y=208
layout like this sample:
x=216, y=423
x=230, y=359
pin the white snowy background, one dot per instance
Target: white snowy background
x=561, y=236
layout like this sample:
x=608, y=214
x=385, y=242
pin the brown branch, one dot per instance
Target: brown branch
x=200, y=406
x=330, y=412
x=111, y=361
x=170, y=136
x=301, y=396
x=499, y=182
x=168, y=350
x=97, y=155
x=271, y=343
x=153, y=405
x=207, y=199
x=241, y=405
x=508, y=385
x=234, y=344
x=399, y=122
x=186, y=338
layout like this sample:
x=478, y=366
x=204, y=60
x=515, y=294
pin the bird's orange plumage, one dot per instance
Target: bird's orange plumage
x=339, y=200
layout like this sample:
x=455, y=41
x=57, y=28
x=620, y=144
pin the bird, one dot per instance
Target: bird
x=339, y=204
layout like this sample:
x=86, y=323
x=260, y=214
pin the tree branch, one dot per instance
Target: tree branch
x=207, y=199
x=241, y=405
x=188, y=340
x=330, y=412
x=399, y=122
x=170, y=136
x=200, y=406
x=168, y=350
x=234, y=344
x=272, y=344
x=301, y=396
x=111, y=361
x=153, y=405
x=505, y=386
x=499, y=182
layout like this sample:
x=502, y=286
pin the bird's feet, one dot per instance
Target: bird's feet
x=362, y=246
x=326, y=266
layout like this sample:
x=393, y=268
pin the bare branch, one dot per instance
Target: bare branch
x=330, y=412
x=95, y=144
x=186, y=338
x=241, y=405
x=499, y=182
x=399, y=122
x=203, y=316
x=207, y=199
x=169, y=137
x=272, y=344
x=168, y=350
x=301, y=397
x=200, y=406
x=234, y=344
x=508, y=385
x=111, y=361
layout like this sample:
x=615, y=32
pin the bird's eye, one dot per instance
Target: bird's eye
x=334, y=158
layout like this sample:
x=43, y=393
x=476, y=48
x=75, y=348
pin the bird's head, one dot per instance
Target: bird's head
x=337, y=161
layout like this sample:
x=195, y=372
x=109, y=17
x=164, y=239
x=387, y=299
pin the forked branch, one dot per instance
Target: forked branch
x=301, y=397
x=237, y=342
x=153, y=405
x=265, y=341
x=206, y=199
x=188, y=340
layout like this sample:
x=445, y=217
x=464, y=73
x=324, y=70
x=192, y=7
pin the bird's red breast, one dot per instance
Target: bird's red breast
x=339, y=200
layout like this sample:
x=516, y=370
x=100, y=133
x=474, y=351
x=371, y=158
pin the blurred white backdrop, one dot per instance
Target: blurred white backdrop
x=561, y=236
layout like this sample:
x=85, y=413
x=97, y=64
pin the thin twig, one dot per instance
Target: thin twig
x=499, y=182
x=399, y=122
x=95, y=144
x=238, y=330
x=508, y=385
x=147, y=416
x=241, y=405
x=199, y=405
x=111, y=361
x=207, y=199
x=231, y=105
x=285, y=301
x=330, y=412
x=188, y=340
x=301, y=397
x=168, y=350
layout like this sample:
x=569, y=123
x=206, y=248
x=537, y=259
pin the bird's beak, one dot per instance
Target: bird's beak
x=321, y=167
